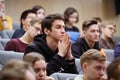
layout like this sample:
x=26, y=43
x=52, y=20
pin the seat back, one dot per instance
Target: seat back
x=78, y=66
x=6, y=34
x=63, y=76
x=3, y=43
x=116, y=38
x=110, y=54
x=5, y=56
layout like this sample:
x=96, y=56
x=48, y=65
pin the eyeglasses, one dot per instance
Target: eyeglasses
x=110, y=28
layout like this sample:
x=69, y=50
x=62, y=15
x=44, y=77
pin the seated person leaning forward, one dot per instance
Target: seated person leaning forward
x=25, y=19
x=55, y=45
x=89, y=40
x=38, y=63
x=17, y=70
x=108, y=30
x=93, y=65
x=19, y=44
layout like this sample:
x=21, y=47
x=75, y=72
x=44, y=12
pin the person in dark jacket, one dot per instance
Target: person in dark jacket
x=25, y=19
x=54, y=44
x=90, y=40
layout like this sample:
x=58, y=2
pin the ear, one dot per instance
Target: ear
x=23, y=21
x=84, y=66
x=46, y=31
x=83, y=32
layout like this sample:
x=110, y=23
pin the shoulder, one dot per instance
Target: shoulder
x=79, y=77
x=8, y=17
x=14, y=40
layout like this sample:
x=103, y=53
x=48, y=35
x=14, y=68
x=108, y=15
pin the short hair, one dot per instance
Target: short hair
x=34, y=20
x=98, y=19
x=25, y=14
x=15, y=69
x=113, y=69
x=90, y=55
x=32, y=57
x=48, y=20
x=68, y=12
x=108, y=23
x=88, y=23
x=37, y=7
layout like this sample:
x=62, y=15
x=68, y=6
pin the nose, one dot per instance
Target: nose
x=63, y=30
x=101, y=72
x=41, y=73
x=38, y=32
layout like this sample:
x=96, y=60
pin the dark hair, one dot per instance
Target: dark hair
x=25, y=14
x=37, y=7
x=98, y=19
x=88, y=23
x=48, y=20
x=68, y=12
x=113, y=69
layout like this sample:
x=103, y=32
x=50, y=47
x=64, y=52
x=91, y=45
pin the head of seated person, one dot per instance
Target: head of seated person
x=37, y=61
x=92, y=63
x=17, y=70
x=113, y=70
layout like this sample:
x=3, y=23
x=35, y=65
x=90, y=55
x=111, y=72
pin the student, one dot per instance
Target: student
x=19, y=44
x=90, y=40
x=93, y=65
x=40, y=11
x=71, y=17
x=38, y=63
x=17, y=70
x=108, y=30
x=54, y=44
x=113, y=70
x=25, y=19
x=5, y=21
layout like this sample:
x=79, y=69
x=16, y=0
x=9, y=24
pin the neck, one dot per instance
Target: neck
x=69, y=25
x=105, y=38
x=90, y=43
x=26, y=38
x=53, y=44
x=24, y=27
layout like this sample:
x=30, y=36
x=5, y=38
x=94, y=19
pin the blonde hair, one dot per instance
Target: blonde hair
x=15, y=69
x=32, y=57
x=90, y=55
x=35, y=20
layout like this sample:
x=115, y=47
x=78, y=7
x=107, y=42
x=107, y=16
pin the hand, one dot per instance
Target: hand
x=49, y=78
x=2, y=14
x=69, y=55
x=63, y=45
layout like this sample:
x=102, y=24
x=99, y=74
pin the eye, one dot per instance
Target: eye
x=37, y=70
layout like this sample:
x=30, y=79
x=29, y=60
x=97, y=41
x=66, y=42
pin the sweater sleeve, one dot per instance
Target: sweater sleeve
x=71, y=68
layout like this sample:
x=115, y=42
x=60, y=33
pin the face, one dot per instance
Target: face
x=73, y=18
x=26, y=22
x=34, y=29
x=94, y=70
x=92, y=33
x=108, y=31
x=41, y=14
x=40, y=69
x=29, y=76
x=57, y=30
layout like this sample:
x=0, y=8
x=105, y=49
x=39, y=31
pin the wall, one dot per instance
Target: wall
x=86, y=8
